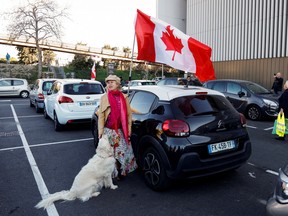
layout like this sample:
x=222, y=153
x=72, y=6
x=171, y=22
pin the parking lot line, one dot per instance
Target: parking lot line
x=52, y=211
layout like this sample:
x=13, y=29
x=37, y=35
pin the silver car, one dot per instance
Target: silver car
x=14, y=87
x=277, y=205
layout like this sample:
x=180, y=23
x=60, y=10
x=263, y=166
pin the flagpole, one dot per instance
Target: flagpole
x=131, y=63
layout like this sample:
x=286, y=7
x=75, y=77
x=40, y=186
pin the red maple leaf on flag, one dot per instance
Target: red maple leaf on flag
x=172, y=43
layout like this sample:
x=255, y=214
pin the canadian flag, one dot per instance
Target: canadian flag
x=93, y=72
x=160, y=42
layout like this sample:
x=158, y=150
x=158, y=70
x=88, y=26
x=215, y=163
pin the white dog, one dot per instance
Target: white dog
x=95, y=175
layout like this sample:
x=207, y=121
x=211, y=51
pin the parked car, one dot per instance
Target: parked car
x=247, y=97
x=139, y=83
x=14, y=87
x=178, y=81
x=184, y=132
x=71, y=101
x=39, y=92
x=277, y=205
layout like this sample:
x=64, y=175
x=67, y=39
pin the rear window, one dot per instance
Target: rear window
x=201, y=105
x=47, y=85
x=83, y=88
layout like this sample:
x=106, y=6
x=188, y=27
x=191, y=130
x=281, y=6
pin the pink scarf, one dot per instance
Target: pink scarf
x=118, y=115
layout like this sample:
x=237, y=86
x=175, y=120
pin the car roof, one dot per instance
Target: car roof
x=66, y=81
x=169, y=92
x=232, y=80
x=142, y=80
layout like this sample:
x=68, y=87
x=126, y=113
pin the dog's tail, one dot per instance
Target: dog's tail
x=62, y=195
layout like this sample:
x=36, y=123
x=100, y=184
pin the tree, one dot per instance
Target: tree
x=27, y=55
x=39, y=20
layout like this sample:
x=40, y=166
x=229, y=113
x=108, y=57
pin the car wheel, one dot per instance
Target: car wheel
x=57, y=125
x=31, y=104
x=38, y=110
x=154, y=171
x=95, y=134
x=45, y=113
x=24, y=94
x=254, y=113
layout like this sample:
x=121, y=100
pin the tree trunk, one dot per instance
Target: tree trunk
x=39, y=61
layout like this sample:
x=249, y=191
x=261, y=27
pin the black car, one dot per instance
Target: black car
x=277, y=205
x=184, y=132
x=249, y=98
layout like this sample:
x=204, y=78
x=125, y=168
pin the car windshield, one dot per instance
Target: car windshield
x=201, y=105
x=83, y=88
x=257, y=89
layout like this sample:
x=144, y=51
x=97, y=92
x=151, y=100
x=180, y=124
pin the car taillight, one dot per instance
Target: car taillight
x=176, y=128
x=40, y=96
x=242, y=120
x=64, y=99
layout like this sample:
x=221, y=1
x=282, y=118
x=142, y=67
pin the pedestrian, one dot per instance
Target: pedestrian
x=193, y=80
x=277, y=84
x=115, y=120
x=283, y=106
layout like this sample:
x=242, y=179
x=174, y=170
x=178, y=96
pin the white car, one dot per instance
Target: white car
x=139, y=83
x=14, y=87
x=39, y=92
x=72, y=101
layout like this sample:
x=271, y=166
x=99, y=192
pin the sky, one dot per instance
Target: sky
x=94, y=22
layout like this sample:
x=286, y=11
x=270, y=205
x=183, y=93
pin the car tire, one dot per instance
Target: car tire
x=31, y=104
x=45, y=113
x=94, y=127
x=57, y=125
x=24, y=94
x=154, y=171
x=254, y=112
x=38, y=110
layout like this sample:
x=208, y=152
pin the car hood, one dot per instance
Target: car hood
x=268, y=96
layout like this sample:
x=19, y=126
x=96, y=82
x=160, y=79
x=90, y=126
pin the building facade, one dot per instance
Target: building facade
x=249, y=38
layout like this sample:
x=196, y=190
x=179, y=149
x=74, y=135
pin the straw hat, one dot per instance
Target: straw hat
x=114, y=78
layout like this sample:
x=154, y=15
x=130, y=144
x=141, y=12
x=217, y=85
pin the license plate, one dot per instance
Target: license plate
x=88, y=103
x=223, y=146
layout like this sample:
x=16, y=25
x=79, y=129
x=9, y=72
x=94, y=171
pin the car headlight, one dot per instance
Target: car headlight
x=270, y=103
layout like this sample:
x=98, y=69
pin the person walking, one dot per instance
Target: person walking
x=277, y=84
x=115, y=120
x=283, y=107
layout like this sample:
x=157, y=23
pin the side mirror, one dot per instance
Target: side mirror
x=241, y=94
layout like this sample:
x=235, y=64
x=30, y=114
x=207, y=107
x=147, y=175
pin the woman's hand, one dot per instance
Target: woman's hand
x=281, y=111
x=99, y=136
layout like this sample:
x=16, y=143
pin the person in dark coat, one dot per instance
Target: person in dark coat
x=277, y=84
x=283, y=106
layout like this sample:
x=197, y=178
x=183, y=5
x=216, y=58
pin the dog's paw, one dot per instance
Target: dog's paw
x=95, y=194
x=114, y=187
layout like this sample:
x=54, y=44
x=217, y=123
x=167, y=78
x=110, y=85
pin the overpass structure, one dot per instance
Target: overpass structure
x=68, y=48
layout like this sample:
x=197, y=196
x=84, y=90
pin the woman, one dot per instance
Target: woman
x=283, y=106
x=114, y=119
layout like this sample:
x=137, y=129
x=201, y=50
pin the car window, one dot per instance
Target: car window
x=47, y=85
x=18, y=82
x=55, y=87
x=140, y=106
x=200, y=104
x=83, y=88
x=5, y=83
x=233, y=88
x=257, y=89
x=219, y=86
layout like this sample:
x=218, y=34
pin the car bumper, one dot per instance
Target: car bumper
x=67, y=117
x=192, y=166
x=274, y=208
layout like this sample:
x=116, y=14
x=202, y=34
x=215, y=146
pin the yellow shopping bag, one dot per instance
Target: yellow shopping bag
x=280, y=125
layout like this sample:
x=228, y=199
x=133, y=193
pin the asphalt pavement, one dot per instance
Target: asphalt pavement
x=35, y=161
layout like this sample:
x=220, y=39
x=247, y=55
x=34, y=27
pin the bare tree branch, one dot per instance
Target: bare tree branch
x=37, y=19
